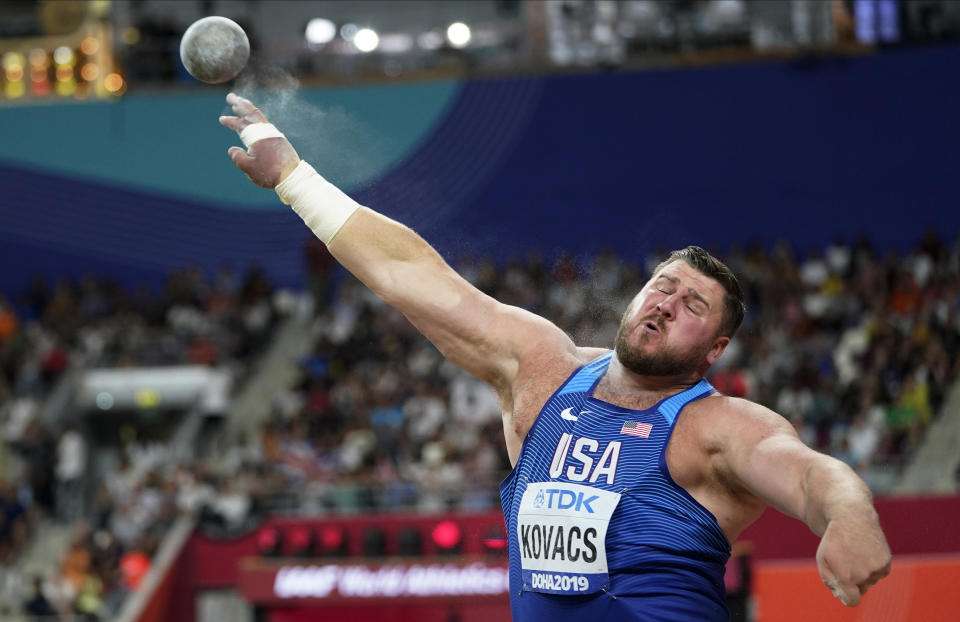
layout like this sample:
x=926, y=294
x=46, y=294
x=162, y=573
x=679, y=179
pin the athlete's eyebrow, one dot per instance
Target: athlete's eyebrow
x=697, y=295
x=690, y=290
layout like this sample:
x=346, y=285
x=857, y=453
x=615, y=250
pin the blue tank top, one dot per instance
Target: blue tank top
x=589, y=467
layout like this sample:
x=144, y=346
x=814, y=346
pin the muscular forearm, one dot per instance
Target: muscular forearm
x=400, y=267
x=831, y=491
x=385, y=255
x=395, y=262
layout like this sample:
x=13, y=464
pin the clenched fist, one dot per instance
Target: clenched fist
x=853, y=555
x=268, y=160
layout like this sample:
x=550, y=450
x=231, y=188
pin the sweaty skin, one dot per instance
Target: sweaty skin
x=733, y=456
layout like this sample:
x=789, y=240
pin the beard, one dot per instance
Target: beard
x=661, y=362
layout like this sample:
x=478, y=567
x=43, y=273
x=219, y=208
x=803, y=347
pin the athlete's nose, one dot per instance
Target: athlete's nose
x=664, y=310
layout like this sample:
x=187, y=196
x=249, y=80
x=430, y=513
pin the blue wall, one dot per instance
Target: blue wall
x=799, y=150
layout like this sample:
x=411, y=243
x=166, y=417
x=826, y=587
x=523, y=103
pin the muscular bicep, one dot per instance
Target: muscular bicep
x=471, y=329
x=485, y=337
x=766, y=458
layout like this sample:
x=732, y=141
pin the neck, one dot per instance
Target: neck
x=619, y=379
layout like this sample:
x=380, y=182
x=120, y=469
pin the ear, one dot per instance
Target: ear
x=717, y=349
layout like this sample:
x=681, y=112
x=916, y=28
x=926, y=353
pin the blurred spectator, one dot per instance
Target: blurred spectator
x=76, y=563
x=92, y=323
x=862, y=438
x=134, y=566
x=39, y=608
x=13, y=523
x=70, y=468
x=8, y=322
x=36, y=445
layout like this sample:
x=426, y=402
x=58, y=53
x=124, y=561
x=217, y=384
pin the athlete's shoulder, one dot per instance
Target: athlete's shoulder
x=724, y=415
x=550, y=369
x=545, y=368
x=588, y=354
x=542, y=371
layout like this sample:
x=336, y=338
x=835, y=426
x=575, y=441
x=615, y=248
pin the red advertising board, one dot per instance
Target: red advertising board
x=920, y=588
x=922, y=533
x=424, y=581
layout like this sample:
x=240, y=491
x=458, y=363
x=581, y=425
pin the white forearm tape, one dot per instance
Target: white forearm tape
x=318, y=202
x=258, y=131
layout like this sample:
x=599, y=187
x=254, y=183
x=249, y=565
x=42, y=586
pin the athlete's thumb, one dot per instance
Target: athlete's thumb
x=848, y=593
x=242, y=160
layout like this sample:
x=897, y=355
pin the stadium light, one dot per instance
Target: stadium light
x=269, y=542
x=320, y=31
x=90, y=45
x=301, y=541
x=366, y=40
x=458, y=34
x=63, y=55
x=447, y=537
x=104, y=400
x=333, y=541
x=114, y=84
x=90, y=71
x=495, y=541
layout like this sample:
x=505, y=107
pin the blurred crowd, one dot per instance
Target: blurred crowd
x=857, y=348
x=49, y=330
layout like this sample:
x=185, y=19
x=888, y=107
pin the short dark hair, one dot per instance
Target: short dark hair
x=733, y=306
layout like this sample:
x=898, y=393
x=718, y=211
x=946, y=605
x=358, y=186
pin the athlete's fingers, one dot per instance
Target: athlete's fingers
x=873, y=578
x=848, y=594
x=243, y=107
x=240, y=105
x=234, y=123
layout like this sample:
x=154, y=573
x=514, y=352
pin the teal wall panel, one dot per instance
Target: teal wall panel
x=173, y=144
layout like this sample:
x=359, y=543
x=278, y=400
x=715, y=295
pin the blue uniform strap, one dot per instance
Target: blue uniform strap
x=673, y=405
x=587, y=375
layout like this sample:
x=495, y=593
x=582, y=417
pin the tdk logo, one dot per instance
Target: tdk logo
x=564, y=500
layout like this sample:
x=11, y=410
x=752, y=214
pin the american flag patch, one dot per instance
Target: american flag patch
x=636, y=428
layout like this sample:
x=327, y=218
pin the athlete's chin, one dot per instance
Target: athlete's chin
x=643, y=352
x=647, y=346
x=654, y=361
x=645, y=341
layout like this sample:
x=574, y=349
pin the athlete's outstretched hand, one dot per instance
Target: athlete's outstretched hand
x=268, y=160
x=853, y=555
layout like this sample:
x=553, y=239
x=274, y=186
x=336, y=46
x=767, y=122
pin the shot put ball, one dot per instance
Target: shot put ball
x=214, y=49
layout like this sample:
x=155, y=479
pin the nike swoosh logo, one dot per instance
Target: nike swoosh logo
x=567, y=413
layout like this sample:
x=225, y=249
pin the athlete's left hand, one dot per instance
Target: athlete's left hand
x=853, y=555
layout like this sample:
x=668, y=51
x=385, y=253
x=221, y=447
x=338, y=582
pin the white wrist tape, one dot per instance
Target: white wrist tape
x=258, y=131
x=318, y=202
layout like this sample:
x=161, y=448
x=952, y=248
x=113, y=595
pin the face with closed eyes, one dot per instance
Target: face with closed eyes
x=671, y=327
